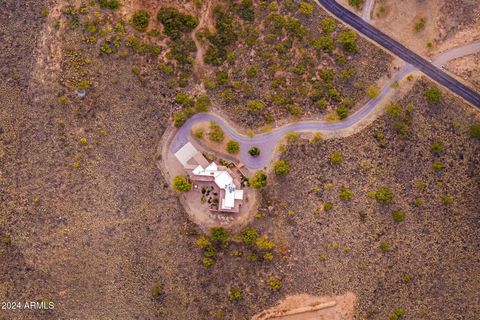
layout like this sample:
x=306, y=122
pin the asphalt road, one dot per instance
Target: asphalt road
x=401, y=51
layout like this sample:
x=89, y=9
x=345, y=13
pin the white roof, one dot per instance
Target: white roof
x=186, y=153
x=222, y=179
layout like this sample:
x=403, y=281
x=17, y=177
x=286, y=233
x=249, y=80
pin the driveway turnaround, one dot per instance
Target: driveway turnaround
x=401, y=51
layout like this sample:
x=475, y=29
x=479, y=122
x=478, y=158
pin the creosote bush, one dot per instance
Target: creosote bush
x=345, y=194
x=233, y=147
x=219, y=234
x=398, y=216
x=140, y=20
x=157, y=291
x=384, y=195
x=336, y=157
x=249, y=235
x=385, y=247
x=182, y=184
x=254, y=151
x=234, y=294
x=215, y=133
x=259, y=180
x=275, y=283
x=281, y=167
x=433, y=95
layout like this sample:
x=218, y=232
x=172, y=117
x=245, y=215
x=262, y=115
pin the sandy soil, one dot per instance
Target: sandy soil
x=308, y=307
x=468, y=69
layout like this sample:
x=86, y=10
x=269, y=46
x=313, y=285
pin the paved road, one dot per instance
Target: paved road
x=401, y=51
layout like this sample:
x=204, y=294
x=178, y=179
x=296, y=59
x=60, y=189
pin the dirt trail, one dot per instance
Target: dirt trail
x=205, y=20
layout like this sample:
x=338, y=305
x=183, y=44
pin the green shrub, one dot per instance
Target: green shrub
x=336, y=157
x=406, y=278
x=233, y=146
x=373, y=91
x=433, y=95
x=437, y=165
x=420, y=24
x=475, y=131
x=281, y=167
x=176, y=23
x=221, y=77
x=275, y=283
x=249, y=235
x=157, y=291
x=183, y=99
x=219, y=234
x=398, y=216
x=384, y=195
x=179, y=118
x=345, y=194
x=263, y=243
x=292, y=137
x=234, y=294
x=254, y=151
x=109, y=4
x=208, y=262
x=385, y=247
x=255, y=105
x=349, y=41
x=327, y=206
x=357, y=4
x=316, y=138
x=198, y=133
x=216, y=133
x=140, y=20
x=437, y=147
x=396, y=314
x=181, y=183
x=259, y=180
x=252, y=72
x=306, y=8
x=202, y=104
x=447, y=199
x=329, y=25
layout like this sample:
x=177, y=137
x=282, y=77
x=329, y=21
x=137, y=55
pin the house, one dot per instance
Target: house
x=222, y=184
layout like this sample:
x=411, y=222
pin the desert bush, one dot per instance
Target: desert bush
x=255, y=105
x=475, y=131
x=329, y=25
x=316, y=138
x=398, y=216
x=254, y=151
x=275, y=283
x=447, y=199
x=327, y=206
x=357, y=4
x=233, y=146
x=110, y=4
x=349, y=41
x=396, y=314
x=336, y=157
x=202, y=104
x=219, y=234
x=345, y=194
x=420, y=24
x=306, y=8
x=179, y=119
x=181, y=183
x=259, y=180
x=263, y=243
x=437, y=165
x=433, y=95
x=157, y=291
x=140, y=20
x=252, y=72
x=385, y=246
x=292, y=137
x=437, y=147
x=373, y=91
x=183, y=99
x=249, y=235
x=198, y=133
x=281, y=167
x=234, y=294
x=208, y=262
x=384, y=195
x=215, y=133
x=176, y=23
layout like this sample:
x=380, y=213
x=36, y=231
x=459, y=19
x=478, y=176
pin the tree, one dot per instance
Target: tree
x=281, y=167
x=140, y=20
x=254, y=151
x=259, y=180
x=384, y=195
x=182, y=184
x=233, y=146
x=433, y=95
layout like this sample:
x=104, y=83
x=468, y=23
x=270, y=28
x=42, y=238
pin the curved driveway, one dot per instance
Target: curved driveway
x=267, y=141
x=401, y=51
